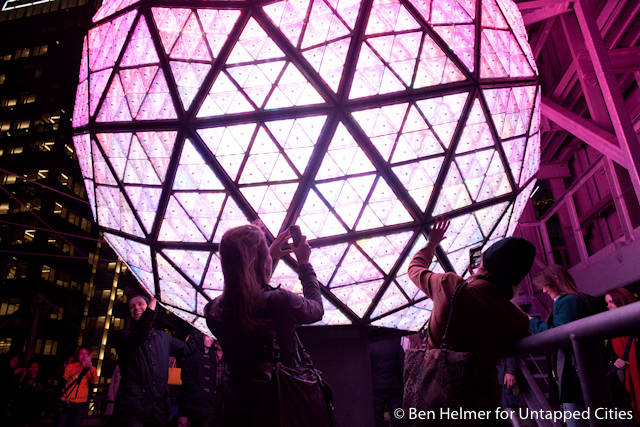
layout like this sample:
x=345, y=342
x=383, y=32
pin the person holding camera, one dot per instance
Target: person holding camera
x=75, y=395
x=253, y=321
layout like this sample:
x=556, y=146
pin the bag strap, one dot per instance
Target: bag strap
x=443, y=342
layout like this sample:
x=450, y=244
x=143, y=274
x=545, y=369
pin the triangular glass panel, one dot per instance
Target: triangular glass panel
x=191, y=263
x=189, y=77
x=217, y=25
x=229, y=145
x=82, y=144
x=400, y=51
x=322, y=26
x=140, y=49
x=289, y=16
x=270, y=202
x=116, y=148
x=492, y=16
x=347, y=9
x=316, y=219
x=347, y=196
x=214, y=279
x=391, y=299
x=81, y=106
x=435, y=67
x=355, y=268
x=203, y=208
x=511, y=109
x=452, y=11
x=358, y=297
x=412, y=318
x=328, y=60
x=224, y=98
x=531, y=162
x=297, y=137
x=389, y=15
x=514, y=151
x=177, y=226
x=385, y=250
x=285, y=278
x=381, y=121
x=476, y=133
x=139, y=169
x=473, y=168
x=114, y=107
x=332, y=315
x=460, y=260
x=443, y=114
x=169, y=22
x=91, y=195
x=114, y=211
x=136, y=255
x=454, y=194
x=502, y=56
x=145, y=203
x=489, y=216
x=344, y=157
x=109, y=8
x=106, y=40
x=501, y=229
x=174, y=288
x=496, y=181
x=158, y=147
x=256, y=80
x=97, y=84
x=84, y=62
x=325, y=259
x=372, y=77
x=158, y=103
x=253, y=45
x=293, y=89
x=416, y=140
x=463, y=232
x=461, y=40
x=265, y=162
x=419, y=178
x=193, y=172
x=136, y=83
x=101, y=172
x=383, y=208
x=191, y=44
x=230, y=217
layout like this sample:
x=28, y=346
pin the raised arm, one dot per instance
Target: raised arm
x=419, y=272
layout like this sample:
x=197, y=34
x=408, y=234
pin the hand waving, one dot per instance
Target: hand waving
x=436, y=235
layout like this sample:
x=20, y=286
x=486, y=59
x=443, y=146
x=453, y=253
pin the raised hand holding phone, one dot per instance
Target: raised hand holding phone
x=300, y=245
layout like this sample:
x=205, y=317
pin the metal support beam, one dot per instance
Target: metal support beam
x=625, y=60
x=618, y=200
x=546, y=242
x=543, y=35
x=613, y=98
x=576, y=229
x=553, y=170
x=584, y=129
x=539, y=10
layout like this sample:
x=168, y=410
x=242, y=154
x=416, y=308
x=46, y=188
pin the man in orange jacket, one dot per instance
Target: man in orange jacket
x=75, y=394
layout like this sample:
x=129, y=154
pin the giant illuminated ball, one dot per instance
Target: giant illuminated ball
x=359, y=120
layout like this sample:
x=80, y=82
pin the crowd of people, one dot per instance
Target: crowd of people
x=257, y=372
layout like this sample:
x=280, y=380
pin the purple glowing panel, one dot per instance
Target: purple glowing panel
x=192, y=120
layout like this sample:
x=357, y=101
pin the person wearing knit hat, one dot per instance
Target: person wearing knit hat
x=484, y=322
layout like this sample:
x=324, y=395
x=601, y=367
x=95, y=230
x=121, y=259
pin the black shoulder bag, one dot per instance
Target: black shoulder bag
x=439, y=377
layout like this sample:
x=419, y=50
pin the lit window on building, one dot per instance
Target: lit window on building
x=58, y=209
x=29, y=235
x=9, y=179
x=3, y=77
x=5, y=125
x=100, y=322
x=64, y=179
x=57, y=313
x=42, y=173
x=28, y=98
x=6, y=57
x=23, y=124
x=23, y=53
x=48, y=347
x=17, y=150
x=40, y=50
x=8, y=102
x=48, y=273
x=46, y=145
x=5, y=345
x=117, y=323
x=4, y=208
x=8, y=308
x=111, y=266
x=11, y=273
x=63, y=279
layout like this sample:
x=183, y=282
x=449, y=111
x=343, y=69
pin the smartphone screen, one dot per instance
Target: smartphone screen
x=475, y=256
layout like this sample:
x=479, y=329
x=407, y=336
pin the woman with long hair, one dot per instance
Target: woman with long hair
x=626, y=350
x=253, y=321
x=568, y=305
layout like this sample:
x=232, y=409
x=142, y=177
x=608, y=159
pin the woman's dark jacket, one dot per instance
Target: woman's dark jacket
x=566, y=308
x=143, y=356
x=198, y=374
x=248, y=352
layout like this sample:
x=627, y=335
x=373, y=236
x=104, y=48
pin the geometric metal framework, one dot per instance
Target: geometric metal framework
x=359, y=120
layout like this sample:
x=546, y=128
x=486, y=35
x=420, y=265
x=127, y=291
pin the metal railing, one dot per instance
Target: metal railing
x=584, y=337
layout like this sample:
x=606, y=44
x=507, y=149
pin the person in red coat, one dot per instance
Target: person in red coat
x=485, y=321
x=617, y=298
